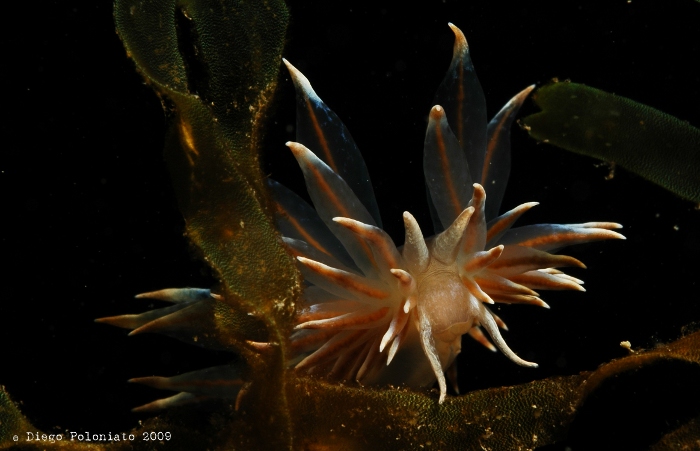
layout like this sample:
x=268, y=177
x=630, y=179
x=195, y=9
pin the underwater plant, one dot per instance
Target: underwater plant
x=648, y=142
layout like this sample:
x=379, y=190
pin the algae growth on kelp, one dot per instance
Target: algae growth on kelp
x=96, y=220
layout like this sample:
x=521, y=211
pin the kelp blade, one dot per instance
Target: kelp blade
x=333, y=416
x=519, y=417
x=12, y=422
x=686, y=437
x=648, y=142
x=216, y=64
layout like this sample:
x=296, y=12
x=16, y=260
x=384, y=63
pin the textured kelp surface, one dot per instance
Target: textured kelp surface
x=519, y=417
x=217, y=77
x=216, y=66
x=685, y=437
x=282, y=410
x=328, y=416
x=646, y=141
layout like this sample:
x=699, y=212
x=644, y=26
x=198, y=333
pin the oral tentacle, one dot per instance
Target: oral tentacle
x=428, y=343
x=499, y=322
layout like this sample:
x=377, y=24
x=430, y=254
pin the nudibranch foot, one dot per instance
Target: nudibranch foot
x=372, y=311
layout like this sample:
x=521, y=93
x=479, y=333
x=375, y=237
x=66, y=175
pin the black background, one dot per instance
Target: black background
x=89, y=218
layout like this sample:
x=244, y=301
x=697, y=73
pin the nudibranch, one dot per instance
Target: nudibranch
x=380, y=314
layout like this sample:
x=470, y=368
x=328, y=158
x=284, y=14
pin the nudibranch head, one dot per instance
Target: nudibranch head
x=374, y=312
